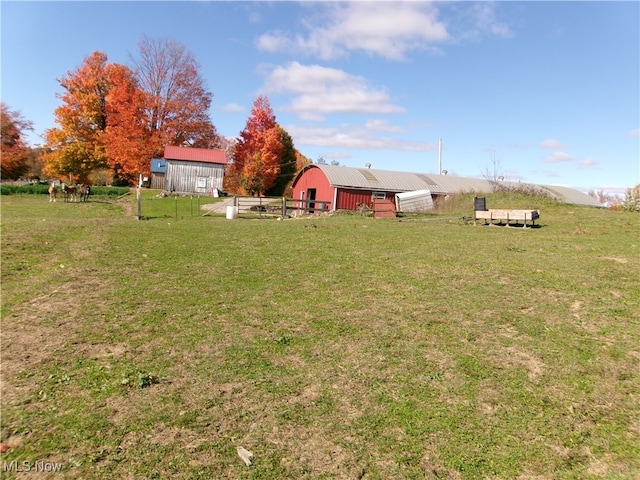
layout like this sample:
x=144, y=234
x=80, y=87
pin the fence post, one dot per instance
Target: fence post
x=284, y=207
x=139, y=201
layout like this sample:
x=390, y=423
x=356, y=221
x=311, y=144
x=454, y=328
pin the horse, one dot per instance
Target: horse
x=69, y=192
x=85, y=191
x=53, y=192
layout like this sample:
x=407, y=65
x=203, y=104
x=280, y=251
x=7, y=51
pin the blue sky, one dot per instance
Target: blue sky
x=541, y=92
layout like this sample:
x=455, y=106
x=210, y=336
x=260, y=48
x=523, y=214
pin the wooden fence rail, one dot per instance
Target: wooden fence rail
x=279, y=205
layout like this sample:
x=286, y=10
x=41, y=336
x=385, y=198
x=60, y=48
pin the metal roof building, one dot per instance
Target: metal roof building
x=345, y=188
x=193, y=170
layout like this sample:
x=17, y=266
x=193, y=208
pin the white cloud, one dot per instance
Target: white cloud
x=381, y=126
x=558, y=157
x=552, y=144
x=484, y=14
x=350, y=136
x=322, y=90
x=232, y=108
x=588, y=162
x=386, y=29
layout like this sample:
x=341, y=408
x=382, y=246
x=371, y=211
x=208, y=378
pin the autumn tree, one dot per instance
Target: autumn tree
x=264, y=151
x=14, y=159
x=76, y=147
x=117, y=118
x=177, y=102
x=287, y=164
x=126, y=137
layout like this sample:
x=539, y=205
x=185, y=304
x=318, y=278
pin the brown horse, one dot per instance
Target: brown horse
x=69, y=191
x=85, y=191
x=53, y=192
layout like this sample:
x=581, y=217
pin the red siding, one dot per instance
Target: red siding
x=349, y=199
x=314, y=178
x=384, y=209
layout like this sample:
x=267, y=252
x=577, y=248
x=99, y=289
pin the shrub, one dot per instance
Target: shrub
x=40, y=188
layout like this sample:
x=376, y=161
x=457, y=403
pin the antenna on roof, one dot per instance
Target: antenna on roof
x=440, y=156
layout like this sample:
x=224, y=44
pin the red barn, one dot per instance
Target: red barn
x=345, y=188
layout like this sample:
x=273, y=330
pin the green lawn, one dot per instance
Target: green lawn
x=335, y=347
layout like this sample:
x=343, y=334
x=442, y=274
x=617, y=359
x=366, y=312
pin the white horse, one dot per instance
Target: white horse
x=53, y=192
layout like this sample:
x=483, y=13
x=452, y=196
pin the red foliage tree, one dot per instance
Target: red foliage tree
x=126, y=136
x=115, y=118
x=257, y=156
x=15, y=151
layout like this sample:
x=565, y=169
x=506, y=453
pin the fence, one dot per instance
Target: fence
x=174, y=206
x=279, y=206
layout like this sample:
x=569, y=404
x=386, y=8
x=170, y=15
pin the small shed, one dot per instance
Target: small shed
x=194, y=170
x=158, y=172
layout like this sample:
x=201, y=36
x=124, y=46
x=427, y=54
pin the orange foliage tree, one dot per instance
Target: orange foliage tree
x=126, y=136
x=76, y=147
x=264, y=155
x=15, y=151
x=116, y=118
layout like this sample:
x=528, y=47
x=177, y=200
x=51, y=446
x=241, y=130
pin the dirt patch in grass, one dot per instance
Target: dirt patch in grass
x=621, y=260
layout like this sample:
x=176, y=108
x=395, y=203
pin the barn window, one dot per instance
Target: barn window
x=378, y=195
x=201, y=182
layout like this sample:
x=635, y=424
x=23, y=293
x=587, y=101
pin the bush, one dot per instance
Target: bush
x=40, y=188
x=32, y=188
x=109, y=191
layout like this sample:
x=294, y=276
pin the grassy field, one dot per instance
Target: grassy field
x=337, y=347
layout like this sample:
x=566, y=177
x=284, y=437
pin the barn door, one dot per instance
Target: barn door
x=311, y=196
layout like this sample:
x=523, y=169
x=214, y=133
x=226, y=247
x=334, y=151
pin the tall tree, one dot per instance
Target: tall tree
x=14, y=149
x=258, y=153
x=288, y=164
x=177, y=101
x=76, y=147
x=126, y=136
